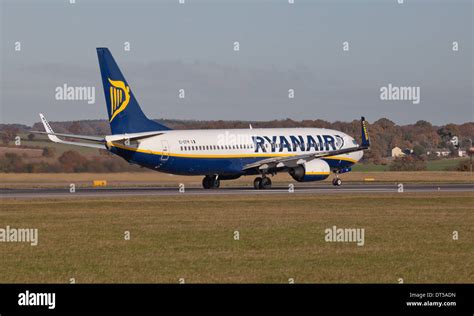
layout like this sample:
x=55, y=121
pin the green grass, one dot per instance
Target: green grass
x=443, y=164
x=407, y=236
x=431, y=165
x=369, y=167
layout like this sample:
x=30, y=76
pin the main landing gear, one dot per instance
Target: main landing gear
x=211, y=182
x=262, y=183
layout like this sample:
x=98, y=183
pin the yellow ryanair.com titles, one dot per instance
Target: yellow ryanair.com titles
x=119, y=97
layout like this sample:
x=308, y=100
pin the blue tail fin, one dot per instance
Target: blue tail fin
x=125, y=115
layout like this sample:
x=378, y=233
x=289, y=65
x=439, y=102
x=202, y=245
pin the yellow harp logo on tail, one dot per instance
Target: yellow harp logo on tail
x=119, y=97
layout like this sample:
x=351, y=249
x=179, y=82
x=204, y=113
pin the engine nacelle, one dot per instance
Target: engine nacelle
x=314, y=170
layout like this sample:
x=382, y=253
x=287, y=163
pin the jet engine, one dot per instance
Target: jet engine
x=313, y=170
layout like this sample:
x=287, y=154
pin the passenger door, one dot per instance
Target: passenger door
x=164, y=150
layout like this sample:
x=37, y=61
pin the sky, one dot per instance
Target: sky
x=282, y=46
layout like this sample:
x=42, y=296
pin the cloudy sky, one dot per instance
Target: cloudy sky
x=282, y=46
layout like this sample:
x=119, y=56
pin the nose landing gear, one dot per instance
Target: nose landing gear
x=336, y=182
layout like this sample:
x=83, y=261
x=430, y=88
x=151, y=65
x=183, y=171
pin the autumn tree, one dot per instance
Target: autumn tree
x=72, y=161
x=48, y=152
x=408, y=163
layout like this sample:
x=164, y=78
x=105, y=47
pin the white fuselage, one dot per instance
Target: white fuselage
x=193, y=151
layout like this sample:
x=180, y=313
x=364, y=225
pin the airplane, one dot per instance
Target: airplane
x=307, y=154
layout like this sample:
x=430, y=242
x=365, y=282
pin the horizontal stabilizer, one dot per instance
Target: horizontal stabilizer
x=133, y=136
x=83, y=137
x=95, y=142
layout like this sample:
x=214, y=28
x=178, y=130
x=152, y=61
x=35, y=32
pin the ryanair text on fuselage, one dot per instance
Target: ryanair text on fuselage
x=297, y=143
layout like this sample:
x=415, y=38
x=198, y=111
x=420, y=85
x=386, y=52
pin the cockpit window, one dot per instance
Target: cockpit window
x=354, y=142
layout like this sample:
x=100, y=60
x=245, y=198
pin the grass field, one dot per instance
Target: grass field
x=33, y=180
x=431, y=165
x=444, y=164
x=407, y=236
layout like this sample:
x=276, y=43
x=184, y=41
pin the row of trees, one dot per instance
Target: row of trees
x=69, y=161
x=385, y=134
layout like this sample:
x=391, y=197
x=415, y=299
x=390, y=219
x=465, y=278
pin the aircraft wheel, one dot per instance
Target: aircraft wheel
x=215, y=183
x=207, y=182
x=257, y=183
x=266, y=183
x=337, y=182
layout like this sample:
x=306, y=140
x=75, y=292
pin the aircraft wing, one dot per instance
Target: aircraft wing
x=293, y=161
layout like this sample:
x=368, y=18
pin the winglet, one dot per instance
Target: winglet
x=49, y=130
x=365, y=133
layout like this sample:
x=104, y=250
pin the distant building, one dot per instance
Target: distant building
x=461, y=153
x=397, y=152
x=439, y=152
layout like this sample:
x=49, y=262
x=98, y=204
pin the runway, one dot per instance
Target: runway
x=277, y=189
